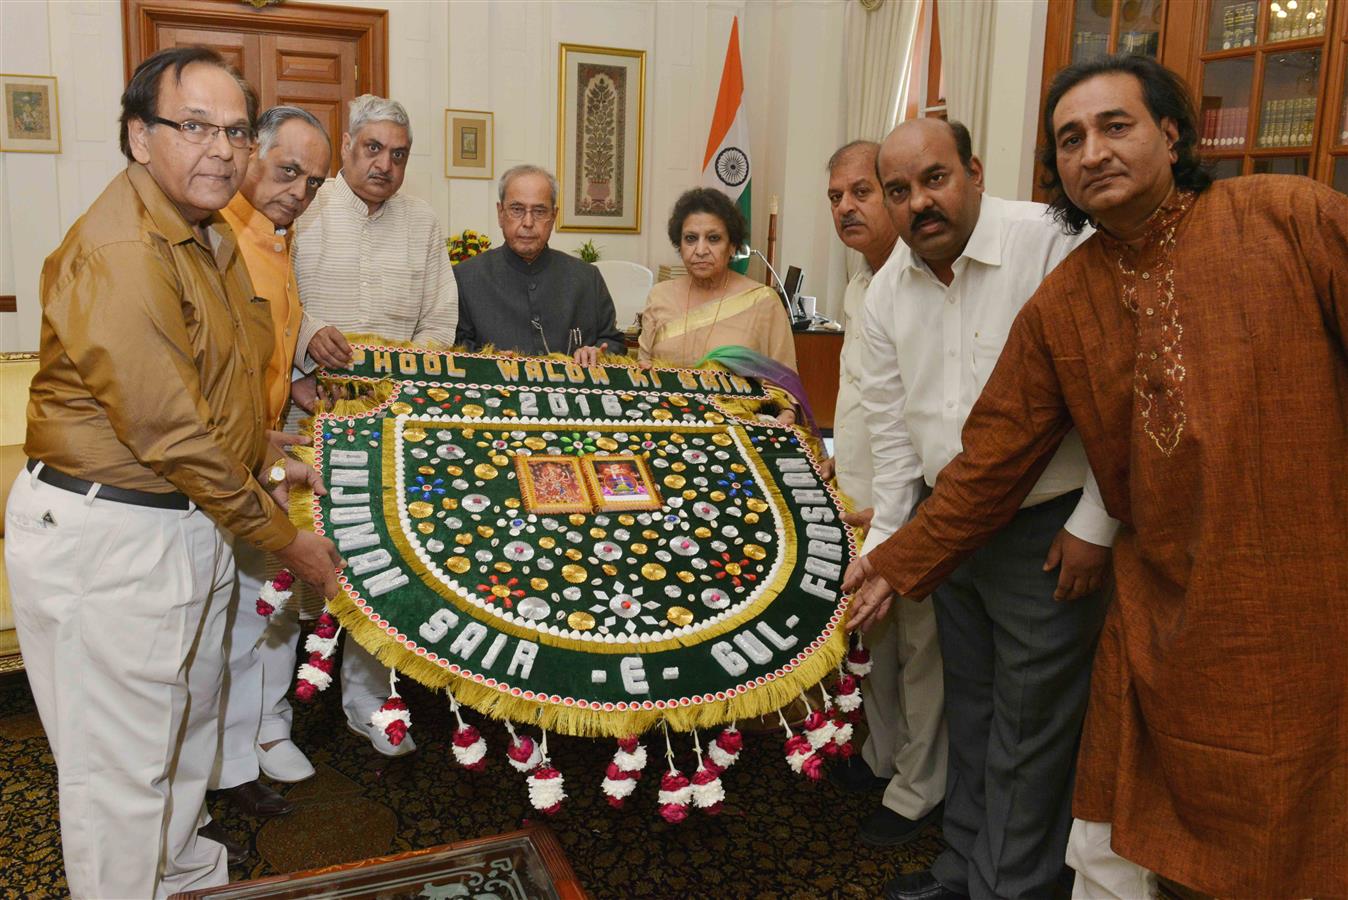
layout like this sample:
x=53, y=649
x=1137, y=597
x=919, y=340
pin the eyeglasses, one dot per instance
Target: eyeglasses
x=519, y=210
x=239, y=136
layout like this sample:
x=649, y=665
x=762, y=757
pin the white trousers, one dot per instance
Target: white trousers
x=904, y=702
x=1101, y=873
x=120, y=612
x=254, y=709
x=365, y=684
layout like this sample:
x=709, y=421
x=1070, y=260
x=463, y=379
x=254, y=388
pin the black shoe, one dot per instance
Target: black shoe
x=886, y=828
x=214, y=831
x=253, y=798
x=919, y=886
x=855, y=777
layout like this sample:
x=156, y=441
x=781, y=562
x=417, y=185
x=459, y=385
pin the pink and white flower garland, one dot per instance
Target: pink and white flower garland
x=393, y=718
x=274, y=594
x=315, y=673
x=622, y=774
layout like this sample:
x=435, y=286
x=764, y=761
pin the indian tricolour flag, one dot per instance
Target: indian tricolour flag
x=726, y=165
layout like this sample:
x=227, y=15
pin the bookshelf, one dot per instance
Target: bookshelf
x=1269, y=84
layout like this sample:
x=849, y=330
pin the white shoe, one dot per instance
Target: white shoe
x=284, y=762
x=380, y=741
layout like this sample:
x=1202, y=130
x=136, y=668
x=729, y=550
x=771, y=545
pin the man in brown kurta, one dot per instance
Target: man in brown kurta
x=1199, y=343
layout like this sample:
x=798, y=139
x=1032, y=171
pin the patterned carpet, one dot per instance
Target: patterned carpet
x=780, y=836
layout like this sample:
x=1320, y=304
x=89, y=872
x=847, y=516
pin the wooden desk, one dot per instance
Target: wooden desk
x=525, y=863
x=817, y=357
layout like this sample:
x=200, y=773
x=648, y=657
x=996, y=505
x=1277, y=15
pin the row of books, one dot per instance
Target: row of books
x=1139, y=43
x=1290, y=22
x=1089, y=44
x=1224, y=127
x=1287, y=123
x=1238, y=22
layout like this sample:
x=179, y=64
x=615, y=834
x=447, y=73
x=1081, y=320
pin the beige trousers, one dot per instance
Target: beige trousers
x=120, y=611
x=904, y=700
x=1101, y=873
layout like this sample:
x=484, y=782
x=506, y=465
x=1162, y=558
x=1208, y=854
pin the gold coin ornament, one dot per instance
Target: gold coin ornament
x=580, y=621
x=425, y=527
x=678, y=467
x=652, y=571
x=754, y=551
x=485, y=531
x=426, y=470
x=662, y=415
x=713, y=417
x=456, y=471
x=439, y=395
x=450, y=503
x=577, y=519
x=535, y=443
x=598, y=534
x=414, y=435
x=639, y=549
x=501, y=566
x=463, y=539
x=678, y=400
x=485, y=471
x=721, y=439
x=605, y=443
x=627, y=520
x=737, y=467
x=401, y=409
x=751, y=518
x=717, y=496
x=419, y=509
x=472, y=411
x=458, y=564
x=756, y=505
x=685, y=577
x=609, y=569
x=512, y=503
x=574, y=574
x=573, y=553
x=690, y=495
x=703, y=532
x=538, y=584
x=679, y=615
x=500, y=461
x=547, y=542
x=675, y=482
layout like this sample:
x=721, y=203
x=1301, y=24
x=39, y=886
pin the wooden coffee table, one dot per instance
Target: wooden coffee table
x=520, y=865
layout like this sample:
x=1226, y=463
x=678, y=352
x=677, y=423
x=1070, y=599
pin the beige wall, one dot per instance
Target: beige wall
x=502, y=57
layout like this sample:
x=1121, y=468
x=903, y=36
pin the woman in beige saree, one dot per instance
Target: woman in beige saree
x=712, y=306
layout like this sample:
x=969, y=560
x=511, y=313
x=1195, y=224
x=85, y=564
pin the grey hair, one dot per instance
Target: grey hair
x=367, y=109
x=512, y=173
x=270, y=122
x=848, y=149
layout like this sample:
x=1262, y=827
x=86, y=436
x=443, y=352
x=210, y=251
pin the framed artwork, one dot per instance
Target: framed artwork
x=553, y=484
x=621, y=482
x=32, y=123
x=601, y=100
x=470, y=145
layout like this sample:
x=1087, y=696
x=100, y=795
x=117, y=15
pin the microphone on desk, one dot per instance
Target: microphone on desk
x=746, y=252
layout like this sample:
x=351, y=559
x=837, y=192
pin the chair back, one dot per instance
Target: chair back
x=629, y=283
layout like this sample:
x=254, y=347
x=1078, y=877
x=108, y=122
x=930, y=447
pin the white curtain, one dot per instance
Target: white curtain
x=967, y=31
x=879, y=50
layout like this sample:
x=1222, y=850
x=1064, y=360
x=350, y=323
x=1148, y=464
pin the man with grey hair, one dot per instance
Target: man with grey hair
x=289, y=164
x=527, y=297
x=370, y=260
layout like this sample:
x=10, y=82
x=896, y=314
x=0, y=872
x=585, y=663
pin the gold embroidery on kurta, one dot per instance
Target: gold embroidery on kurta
x=1158, y=373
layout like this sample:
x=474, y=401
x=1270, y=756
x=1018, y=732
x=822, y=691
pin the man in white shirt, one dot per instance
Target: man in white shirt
x=1016, y=638
x=369, y=259
x=905, y=749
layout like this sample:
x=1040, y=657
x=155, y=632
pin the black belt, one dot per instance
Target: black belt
x=57, y=478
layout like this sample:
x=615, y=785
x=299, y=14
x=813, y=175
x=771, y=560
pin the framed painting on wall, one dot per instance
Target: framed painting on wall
x=470, y=146
x=601, y=111
x=32, y=123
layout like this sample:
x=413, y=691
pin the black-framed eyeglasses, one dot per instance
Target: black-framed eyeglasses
x=540, y=213
x=240, y=136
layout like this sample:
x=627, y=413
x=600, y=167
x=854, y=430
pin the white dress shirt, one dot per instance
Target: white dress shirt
x=932, y=348
x=385, y=272
x=851, y=445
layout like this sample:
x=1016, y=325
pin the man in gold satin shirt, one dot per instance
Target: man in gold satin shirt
x=146, y=434
x=288, y=166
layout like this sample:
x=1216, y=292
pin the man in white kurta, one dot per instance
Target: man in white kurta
x=371, y=260
x=905, y=749
x=1018, y=640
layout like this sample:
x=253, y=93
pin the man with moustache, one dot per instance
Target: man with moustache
x=1016, y=638
x=369, y=259
x=1197, y=342
x=527, y=297
x=146, y=440
x=288, y=166
x=905, y=749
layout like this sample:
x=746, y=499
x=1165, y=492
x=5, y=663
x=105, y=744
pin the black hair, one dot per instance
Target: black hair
x=964, y=144
x=140, y=100
x=713, y=202
x=1166, y=97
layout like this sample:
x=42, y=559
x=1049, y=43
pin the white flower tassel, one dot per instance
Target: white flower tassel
x=523, y=753
x=393, y=718
x=675, y=791
x=272, y=598
x=800, y=756
x=818, y=727
x=470, y=750
x=849, y=695
x=315, y=673
x=708, y=793
x=725, y=750
x=546, y=785
x=859, y=659
x=620, y=779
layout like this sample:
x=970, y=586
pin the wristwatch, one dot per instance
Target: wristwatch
x=276, y=475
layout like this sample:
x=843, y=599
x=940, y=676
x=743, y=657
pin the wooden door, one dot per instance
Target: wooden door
x=318, y=58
